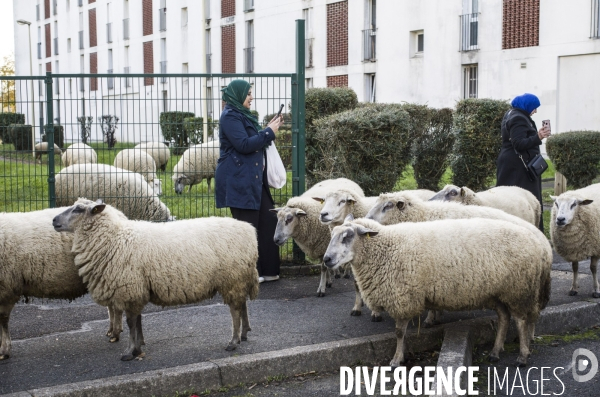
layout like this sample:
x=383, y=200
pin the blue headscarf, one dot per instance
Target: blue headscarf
x=526, y=102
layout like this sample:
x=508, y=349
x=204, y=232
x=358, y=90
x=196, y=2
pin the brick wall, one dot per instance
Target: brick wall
x=227, y=8
x=520, y=23
x=92, y=22
x=337, y=33
x=91, y=1
x=228, y=49
x=148, y=62
x=46, y=9
x=48, y=40
x=337, y=81
x=93, y=70
x=48, y=66
x=147, y=17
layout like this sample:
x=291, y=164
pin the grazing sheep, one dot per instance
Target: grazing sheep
x=458, y=264
x=197, y=163
x=137, y=160
x=126, y=190
x=79, y=153
x=511, y=199
x=35, y=261
x=164, y=263
x=575, y=230
x=159, y=152
x=42, y=148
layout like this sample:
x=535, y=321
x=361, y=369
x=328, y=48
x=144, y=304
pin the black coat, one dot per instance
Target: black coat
x=518, y=132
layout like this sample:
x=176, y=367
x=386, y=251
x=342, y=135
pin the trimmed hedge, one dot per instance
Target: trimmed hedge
x=20, y=136
x=477, y=124
x=194, y=129
x=6, y=119
x=431, y=151
x=59, y=135
x=363, y=145
x=284, y=146
x=171, y=125
x=576, y=155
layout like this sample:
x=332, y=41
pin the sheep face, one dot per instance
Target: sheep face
x=343, y=241
x=336, y=206
x=565, y=209
x=180, y=183
x=385, y=209
x=287, y=220
x=449, y=193
x=157, y=186
x=73, y=216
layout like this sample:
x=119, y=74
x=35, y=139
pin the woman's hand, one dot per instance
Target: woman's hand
x=275, y=123
x=544, y=132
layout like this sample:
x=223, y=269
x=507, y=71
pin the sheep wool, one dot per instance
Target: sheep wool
x=137, y=160
x=79, y=153
x=198, y=162
x=159, y=152
x=42, y=148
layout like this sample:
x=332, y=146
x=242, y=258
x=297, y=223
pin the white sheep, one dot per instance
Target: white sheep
x=79, y=153
x=126, y=190
x=198, y=162
x=42, y=148
x=458, y=264
x=35, y=261
x=159, y=152
x=575, y=230
x=511, y=199
x=137, y=160
x=128, y=264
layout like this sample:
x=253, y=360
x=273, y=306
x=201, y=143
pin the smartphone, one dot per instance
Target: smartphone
x=546, y=123
x=280, y=109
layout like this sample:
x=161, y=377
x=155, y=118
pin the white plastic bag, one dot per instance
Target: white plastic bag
x=276, y=174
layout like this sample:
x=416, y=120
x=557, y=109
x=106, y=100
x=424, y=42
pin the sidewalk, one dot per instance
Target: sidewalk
x=59, y=349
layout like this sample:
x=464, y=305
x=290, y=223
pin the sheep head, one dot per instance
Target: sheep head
x=287, y=220
x=341, y=249
x=336, y=206
x=565, y=208
x=73, y=216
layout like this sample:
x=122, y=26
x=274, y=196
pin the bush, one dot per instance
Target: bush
x=322, y=102
x=363, y=145
x=7, y=119
x=287, y=118
x=20, y=136
x=108, y=123
x=576, y=155
x=477, y=124
x=284, y=146
x=431, y=151
x=59, y=135
x=171, y=125
x=194, y=129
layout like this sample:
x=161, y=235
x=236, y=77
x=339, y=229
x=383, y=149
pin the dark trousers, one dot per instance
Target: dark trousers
x=264, y=222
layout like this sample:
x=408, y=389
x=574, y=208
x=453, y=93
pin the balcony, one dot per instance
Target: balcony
x=162, y=13
x=109, y=32
x=126, y=29
x=207, y=10
x=163, y=70
x=595, y=25
x=208, y=63
x=369, y=45
x=55, y=45
x=110, y=82
x=37, y=12
x=249, y=60
x=308, y=53
x=39, y=48
x=81, y=39
x=248, y=5
x=468, y=32
x=126, y=70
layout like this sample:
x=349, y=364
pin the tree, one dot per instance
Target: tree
x=7, y=87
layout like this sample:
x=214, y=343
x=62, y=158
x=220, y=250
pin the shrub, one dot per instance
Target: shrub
x=85, y=127
x=363, y=145
x=194, y=129
x=59, y=135
x=6, y=119
x=108, y=122
x=576, y=155
x=20, y=136
x=431, y=151
x=171, y=125
x=477, y=124
x=287, y=118
x=284, y=146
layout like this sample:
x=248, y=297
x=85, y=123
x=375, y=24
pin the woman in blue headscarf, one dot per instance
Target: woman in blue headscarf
x=520, y=133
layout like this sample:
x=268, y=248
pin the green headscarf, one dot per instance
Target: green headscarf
x=235, y=94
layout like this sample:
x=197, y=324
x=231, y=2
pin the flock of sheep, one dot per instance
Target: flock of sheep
x=409, y=251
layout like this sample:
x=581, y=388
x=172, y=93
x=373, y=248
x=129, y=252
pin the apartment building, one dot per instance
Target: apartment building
x=424, y=51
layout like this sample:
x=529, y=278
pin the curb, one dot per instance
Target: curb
x=326, y=356
x=456, y=351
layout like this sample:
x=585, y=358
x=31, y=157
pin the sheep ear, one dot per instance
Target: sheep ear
x=319, y=199
x=350, y=200
x=400, y=204
x=349, y=218
x=553, y=198
x=301, y=213
x=462, y=192
x=585, y=202
x=363, y=230
x=274, y=210
x=98, y=209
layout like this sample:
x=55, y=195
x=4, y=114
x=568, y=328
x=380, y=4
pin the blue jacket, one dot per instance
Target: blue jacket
x=239, y=174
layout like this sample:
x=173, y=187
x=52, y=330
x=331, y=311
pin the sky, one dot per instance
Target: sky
x=7, y=39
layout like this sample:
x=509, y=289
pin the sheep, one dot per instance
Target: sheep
x=159, y=152
x=79, y=153
x=139, y=161
x=127, y=264
x=197, y=163
x=126, y=190
x=511, y=199
x=575, y=230
x=42, y=148
x=457, y=264
x=35, y=261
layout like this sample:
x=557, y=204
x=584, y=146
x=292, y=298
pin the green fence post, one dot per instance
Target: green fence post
x=50, y=139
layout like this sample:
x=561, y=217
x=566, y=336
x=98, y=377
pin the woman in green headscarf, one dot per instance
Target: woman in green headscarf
x=241, y=175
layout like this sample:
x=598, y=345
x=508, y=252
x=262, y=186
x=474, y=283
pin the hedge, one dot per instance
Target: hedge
x=362, y=145
x=284, y=146
x=431, y=151
x=20, y=136
x=59, y=135
x=171, y=125
x=287, y=118
x=477, y=125
x=6, y=119
x=194, y=129
x=576, y=155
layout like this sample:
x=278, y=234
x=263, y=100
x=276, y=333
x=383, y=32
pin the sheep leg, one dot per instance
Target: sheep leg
x=323, y=282
x=398, y=359
x=594, y=269
x=134, y=349
x=140, y=334
x=236, y=320
x=4, y=333
x=575, y=285
x=503, y=323
x=328, y=281
x=430, y=320
x=245, y=321
x=376, y=314
x=524, y=353
x=358, y=302
x=116, y=324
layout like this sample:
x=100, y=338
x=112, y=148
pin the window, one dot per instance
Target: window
x=595, y=26
x=81, y=70
x=308, y=83
x=185, y=70
x=208, y=52
x=417, y=43
x=470, y=81
x=68, y=45
x=184, y=17
x=469, y=24
x=420, y=40
x=370, y=87
x=56, y=81
x=162, y=12
x=165, y=101
x=249, y=50
x=248, y=5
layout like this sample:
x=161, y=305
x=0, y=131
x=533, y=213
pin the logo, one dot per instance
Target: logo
x=583, y=364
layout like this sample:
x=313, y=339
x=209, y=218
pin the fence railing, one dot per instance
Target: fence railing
x=249, y=60
x=369, y=41
x=126, y=29
x=595, y=20
x=162, y=13
x=469, y=25
x=109, y=32
x=55, y=43
x=309, y=53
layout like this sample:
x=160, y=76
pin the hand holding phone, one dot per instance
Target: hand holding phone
x=280, y=109
x=546, y=123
